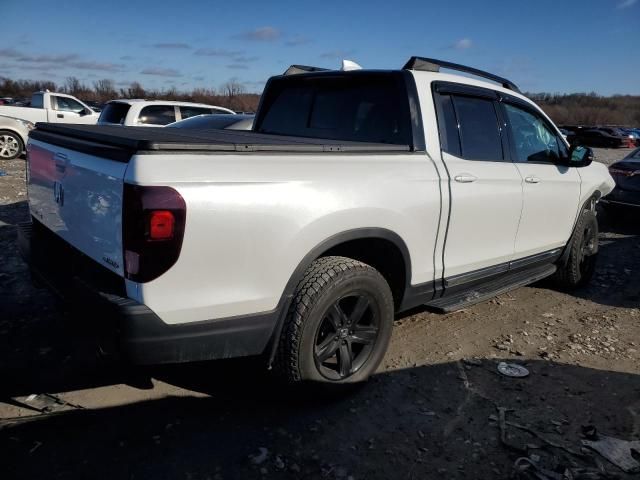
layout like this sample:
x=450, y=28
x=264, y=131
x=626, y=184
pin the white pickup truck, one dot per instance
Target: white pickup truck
x=357, y=194
x=52, y=107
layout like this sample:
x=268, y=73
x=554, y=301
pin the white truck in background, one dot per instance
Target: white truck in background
x=53, y=107
x=356, y=195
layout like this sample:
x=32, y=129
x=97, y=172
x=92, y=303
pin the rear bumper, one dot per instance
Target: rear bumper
x=140, y=335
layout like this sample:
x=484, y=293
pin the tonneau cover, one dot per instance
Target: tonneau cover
x=119, y=142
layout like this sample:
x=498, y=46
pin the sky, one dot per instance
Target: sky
x=544, y=45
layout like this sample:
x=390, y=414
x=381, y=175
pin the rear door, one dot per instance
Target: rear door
x=79, y=197
x=551, y=191
x=485, y=186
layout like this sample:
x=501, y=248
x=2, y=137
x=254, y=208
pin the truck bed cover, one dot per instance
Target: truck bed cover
x=119, y=143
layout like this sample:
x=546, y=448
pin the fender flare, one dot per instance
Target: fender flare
x=327, y=244
x=589, y=204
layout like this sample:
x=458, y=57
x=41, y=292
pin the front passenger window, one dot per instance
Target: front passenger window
x=534, y=141
x=64, y=104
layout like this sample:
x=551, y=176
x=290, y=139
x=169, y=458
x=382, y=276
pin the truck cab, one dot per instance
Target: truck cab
x=53, y=107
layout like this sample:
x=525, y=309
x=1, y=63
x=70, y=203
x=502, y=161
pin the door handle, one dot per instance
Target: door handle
x=61, y=161
x=60, y=115
x=532, y=179
x=465, y=178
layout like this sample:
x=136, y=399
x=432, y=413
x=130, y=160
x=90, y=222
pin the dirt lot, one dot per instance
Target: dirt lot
x=438, y=408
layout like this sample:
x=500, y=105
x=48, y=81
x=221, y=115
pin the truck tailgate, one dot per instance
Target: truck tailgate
x=79, y=197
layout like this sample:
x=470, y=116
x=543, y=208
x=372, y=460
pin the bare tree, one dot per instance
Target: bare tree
x=135, y=90
x=74, y=86
x=105, y=89
x=233, y=88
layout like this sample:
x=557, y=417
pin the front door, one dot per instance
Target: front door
x=68, y=110
x=551, y=191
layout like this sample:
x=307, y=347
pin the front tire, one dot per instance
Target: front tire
x=339, y=324
x=583, y=253
x=11, y=145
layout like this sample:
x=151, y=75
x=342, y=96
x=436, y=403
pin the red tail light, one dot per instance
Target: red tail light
x=153, y=220
x=161, y=225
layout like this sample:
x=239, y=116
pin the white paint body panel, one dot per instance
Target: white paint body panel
x=79, y=197
x=549, y=207
x=252, y=218
x=485, y=214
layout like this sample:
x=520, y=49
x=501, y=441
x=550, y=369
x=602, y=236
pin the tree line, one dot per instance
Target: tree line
x=564, y=109
x=590, y=108
x=230, y=95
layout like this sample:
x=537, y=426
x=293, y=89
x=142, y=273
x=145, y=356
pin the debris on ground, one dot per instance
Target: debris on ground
x=617, y=451
x=45, y=403
x=512, y=370
x=260, y=457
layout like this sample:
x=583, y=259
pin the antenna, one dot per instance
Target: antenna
x=349, y=65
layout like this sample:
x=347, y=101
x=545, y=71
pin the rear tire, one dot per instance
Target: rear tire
x=11, y=145
x=583, y=253
x=339, y=324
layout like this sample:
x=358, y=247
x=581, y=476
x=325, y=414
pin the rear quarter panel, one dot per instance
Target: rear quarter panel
x=252, y=218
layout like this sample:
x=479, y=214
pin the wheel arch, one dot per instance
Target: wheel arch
x=17, y=133
x=588, y=204
x=353, y=244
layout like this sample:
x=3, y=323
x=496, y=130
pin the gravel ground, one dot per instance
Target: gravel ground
x=437, y=408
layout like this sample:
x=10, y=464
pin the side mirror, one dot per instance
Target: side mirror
x=580, y=156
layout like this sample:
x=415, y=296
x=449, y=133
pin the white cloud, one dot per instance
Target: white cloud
x=262, y=34
x=463, y=44
x=626, y=4
x=162, y=72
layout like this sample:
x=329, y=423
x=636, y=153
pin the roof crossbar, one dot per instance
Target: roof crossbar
x=295, y=69
x=433, y=65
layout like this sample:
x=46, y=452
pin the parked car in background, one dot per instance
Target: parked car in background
x=216, y=121
x=357, y=194
x=568, y=135
x=597, y=137
x=95, y=106
x=154, y=113
x=633, y=134
x=53, y=108
x=626, y=173
x=14, y=133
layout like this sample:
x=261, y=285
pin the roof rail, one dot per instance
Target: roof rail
x=433, y=65
x=295, y=69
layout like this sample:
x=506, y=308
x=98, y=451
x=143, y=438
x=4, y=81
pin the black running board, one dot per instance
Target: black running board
x=481, y=292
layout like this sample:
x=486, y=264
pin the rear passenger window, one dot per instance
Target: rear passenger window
x=447, y=125
x=37, y=101
x=186, y=112
x=479, y=130
x=157, y=115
